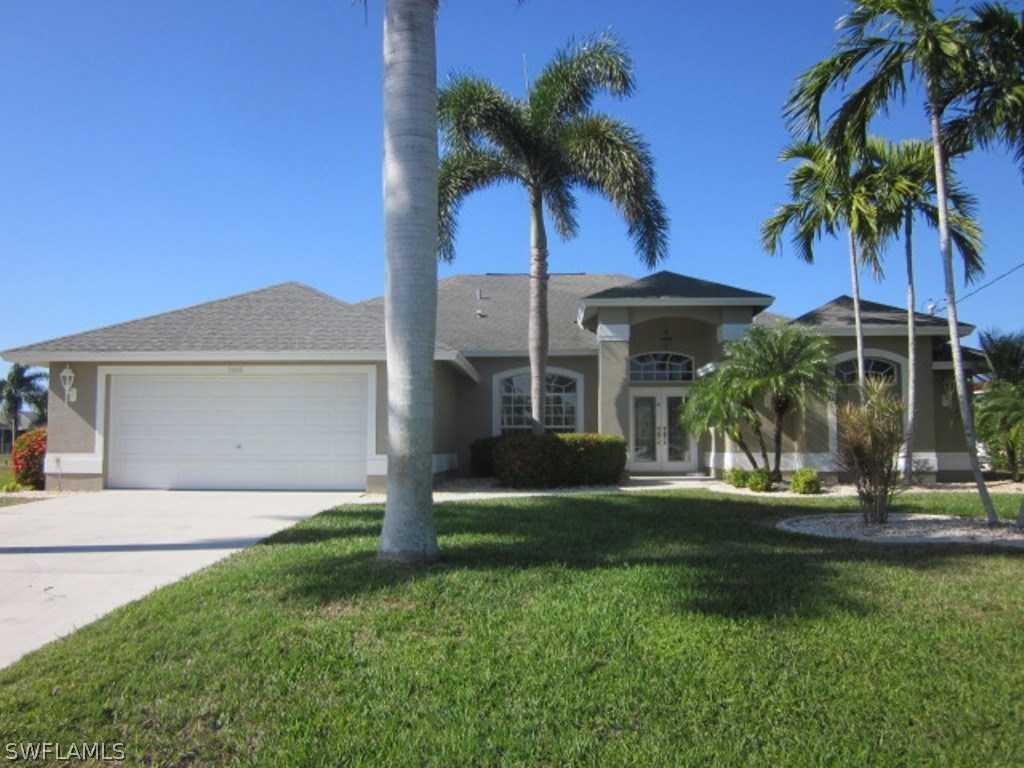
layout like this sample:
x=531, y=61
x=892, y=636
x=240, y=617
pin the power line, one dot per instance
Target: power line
x=932, y=309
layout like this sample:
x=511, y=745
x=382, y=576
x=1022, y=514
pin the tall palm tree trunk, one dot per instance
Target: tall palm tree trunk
x=908, y=429
x=538, y=332
x=946, y=251
x=858, y=328
x=410, y=294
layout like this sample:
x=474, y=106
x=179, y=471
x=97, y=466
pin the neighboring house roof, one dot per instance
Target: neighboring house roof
x=836, y=319
x=974, y=359
x=768, y=319
x=487, y=314
x=25, y=421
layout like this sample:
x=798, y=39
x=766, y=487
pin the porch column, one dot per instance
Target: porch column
x=613, y=373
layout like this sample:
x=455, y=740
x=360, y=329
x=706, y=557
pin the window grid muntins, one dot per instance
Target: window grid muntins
x=873, y=367
x=559, y=405
x=660, y=366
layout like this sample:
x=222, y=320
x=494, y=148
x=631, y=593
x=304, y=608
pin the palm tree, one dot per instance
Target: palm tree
x=1001, y=409
x=719, y=401
x=410, y=293
x=990, y=108
x=905, y=186
x=21, y=388
x=829, y=191
x=551, y=143
x=787, y=364
x=895, y=42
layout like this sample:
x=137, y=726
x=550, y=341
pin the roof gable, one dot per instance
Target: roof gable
x=837, y=315
x=671, y=285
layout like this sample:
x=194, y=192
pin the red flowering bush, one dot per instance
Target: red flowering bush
x=27, y=459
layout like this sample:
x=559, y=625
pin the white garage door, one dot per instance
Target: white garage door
x=288, y=431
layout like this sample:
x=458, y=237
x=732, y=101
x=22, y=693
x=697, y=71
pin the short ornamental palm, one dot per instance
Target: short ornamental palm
x=552, y=144
x=789, y=365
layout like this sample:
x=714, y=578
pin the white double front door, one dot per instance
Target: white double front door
x=658, y=442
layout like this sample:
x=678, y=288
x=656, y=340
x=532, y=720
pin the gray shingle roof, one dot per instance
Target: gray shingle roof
x=283, y=318
x=671, y=285
x=839, y=312
x=498, y=320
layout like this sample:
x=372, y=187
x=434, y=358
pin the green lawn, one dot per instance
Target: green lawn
x=640, y=629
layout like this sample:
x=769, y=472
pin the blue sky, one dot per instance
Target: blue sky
x=160, y=154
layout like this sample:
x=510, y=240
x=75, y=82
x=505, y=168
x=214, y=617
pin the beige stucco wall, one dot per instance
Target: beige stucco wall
x=474, y=414
x=70, y=425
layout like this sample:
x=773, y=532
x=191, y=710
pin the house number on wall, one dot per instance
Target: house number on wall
x=236, y=369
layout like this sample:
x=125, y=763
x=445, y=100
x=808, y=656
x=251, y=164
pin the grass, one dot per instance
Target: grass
x=640, y=629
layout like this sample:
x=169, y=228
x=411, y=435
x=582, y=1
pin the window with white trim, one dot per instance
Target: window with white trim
x=873, y=367
x=561, y=403
x=660, y=366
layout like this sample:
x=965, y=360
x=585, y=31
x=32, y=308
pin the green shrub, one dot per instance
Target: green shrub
x=593, y=459
x=805, y=481
x=737, y=477
x=550, y=461
x=12, y=487
x=481, y=457
x=27, y=459
x=760, y=480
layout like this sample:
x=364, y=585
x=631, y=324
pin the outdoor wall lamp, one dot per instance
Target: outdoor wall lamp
x=67, y=380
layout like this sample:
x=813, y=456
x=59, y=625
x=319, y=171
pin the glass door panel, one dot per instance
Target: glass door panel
x=645, y=429
x=678, y=440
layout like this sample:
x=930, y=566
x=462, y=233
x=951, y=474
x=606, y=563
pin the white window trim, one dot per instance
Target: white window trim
x=692, y=359
x=882, y=354
x=833, y=411
x=496, y=394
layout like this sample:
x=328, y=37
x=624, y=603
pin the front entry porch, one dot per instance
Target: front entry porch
x=658, y=442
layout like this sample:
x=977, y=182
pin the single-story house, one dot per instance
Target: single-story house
x=285, y=387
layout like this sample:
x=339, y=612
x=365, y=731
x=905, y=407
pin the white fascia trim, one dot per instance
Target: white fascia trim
x=886, y=330
x=459, y=360
x=103, y=373
x=524, y=353
x=236, y=355
x=73, y=464
x=672, y=301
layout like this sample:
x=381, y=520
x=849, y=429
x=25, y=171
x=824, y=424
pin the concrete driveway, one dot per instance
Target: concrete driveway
x=68, y=560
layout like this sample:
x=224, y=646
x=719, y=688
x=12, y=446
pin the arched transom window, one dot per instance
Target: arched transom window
x=562, y=412
x=873, y=367
x=661, y=366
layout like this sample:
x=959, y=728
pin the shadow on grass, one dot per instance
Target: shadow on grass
x=711, y=555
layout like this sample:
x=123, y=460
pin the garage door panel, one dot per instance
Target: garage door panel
x=259, y=431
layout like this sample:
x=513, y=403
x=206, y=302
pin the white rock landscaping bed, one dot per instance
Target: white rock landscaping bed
x=909, y=529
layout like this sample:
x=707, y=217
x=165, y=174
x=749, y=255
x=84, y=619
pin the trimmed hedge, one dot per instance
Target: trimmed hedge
x=27, y=459
x=760, y=480
x=558, y=460
x=481, y=457
x=805, y=481
x=737, y=477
